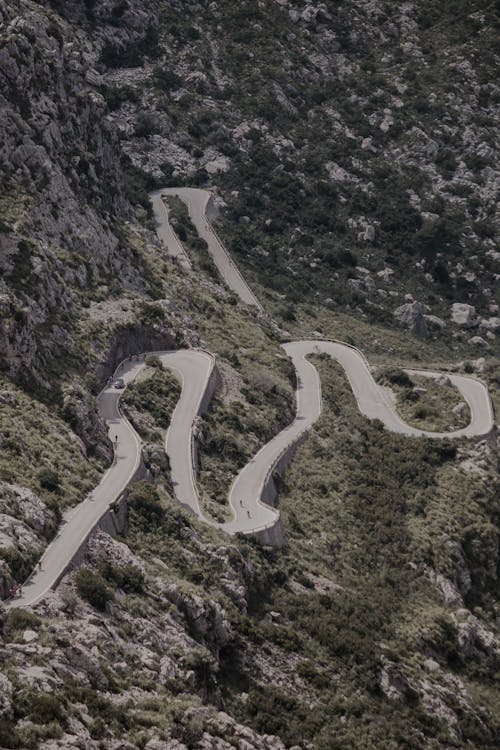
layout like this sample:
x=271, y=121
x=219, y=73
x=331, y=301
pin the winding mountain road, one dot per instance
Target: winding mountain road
x=199, y=202
x=196, y=371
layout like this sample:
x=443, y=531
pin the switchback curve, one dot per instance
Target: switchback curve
x=195, y=369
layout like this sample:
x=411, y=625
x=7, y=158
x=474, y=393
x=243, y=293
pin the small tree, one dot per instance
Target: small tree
x=49, y=480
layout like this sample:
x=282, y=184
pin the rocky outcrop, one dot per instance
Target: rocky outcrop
x=81, y=412
x=61, y=183
x=134, y=340
x=393, y=683
x=207, y=622
x=464, y=315
x=411, y=316
x=26, y=523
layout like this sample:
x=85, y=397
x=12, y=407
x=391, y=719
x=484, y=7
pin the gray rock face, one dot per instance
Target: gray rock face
x=464, y=315
x=134, y=340
x=25, y=524
x=80, y=411
x=61, y=182
x=392, y=683
x=412, y=317
x=207, y=623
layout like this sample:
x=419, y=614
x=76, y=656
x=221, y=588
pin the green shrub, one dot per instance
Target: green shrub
x=423, y=412
x=157, y=397
x=145, y=506
x=126, y=577
x=146, y=125
x=49, y=480
x=132, y=54
x=41, y=708
x=347, y=258
x=165, y=79
x=150, y=313
x=395, y=376
x=93, y=589
x=22, y=619
x=153, y=361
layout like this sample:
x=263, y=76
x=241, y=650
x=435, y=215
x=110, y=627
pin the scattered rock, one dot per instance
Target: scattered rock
x=368, y=235
x=386, y=274
x=459, y=409
x=443, y=380
x=419, y=390
x=490, y=324
x=479, y=342
x=29, y=636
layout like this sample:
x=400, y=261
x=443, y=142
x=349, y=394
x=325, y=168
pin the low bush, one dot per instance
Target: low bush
x=22, y=619
x=116, y=95
x=394, y=376
x=40, y=708
x=93, y=589
x=150, y=313
x=145, y=506
x=49, y=480
x=126, y=577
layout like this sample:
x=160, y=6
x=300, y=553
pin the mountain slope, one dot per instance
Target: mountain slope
x=351, y=149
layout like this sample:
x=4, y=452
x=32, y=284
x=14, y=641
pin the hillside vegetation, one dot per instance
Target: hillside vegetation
x=350, y=146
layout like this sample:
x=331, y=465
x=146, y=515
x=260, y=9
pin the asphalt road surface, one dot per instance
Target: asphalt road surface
x=78, y=522
x=197, y=202
x=194, y=368
x=165, y=232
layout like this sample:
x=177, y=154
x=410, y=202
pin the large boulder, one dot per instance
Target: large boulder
x=464, y=315
x=478, y=341
x=412, y=317
x=434, y=322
